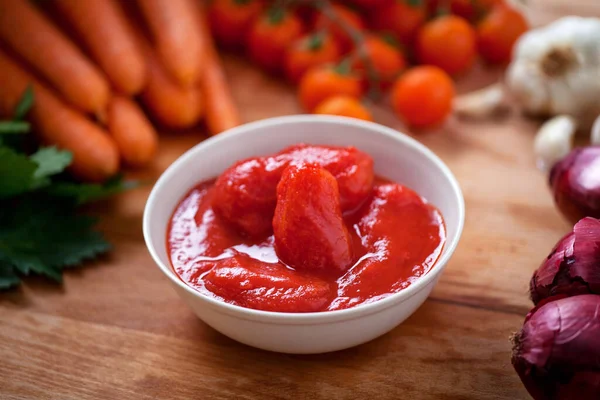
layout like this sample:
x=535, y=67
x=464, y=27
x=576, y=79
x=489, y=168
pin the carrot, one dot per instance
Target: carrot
x=104, y=30
x=32, y=36
x=172, y=105
x=176, y=36
x=135, y=137
x=95, y=155
x=221, y=111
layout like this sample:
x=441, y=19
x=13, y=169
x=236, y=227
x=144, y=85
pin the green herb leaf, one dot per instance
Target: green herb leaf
x=8, y=276
x=50, y=161
x=14, y=127
x=43, y=235
x=25, y=104
x=16, y=172
x=88, y=192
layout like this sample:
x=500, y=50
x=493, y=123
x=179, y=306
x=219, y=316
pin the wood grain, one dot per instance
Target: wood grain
x=116, y=330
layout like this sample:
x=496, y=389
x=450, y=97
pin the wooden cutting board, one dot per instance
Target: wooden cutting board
x=116, y=329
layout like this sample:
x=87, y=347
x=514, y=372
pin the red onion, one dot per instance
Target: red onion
x=573, y=266
x=575, y=181
x=557, y=353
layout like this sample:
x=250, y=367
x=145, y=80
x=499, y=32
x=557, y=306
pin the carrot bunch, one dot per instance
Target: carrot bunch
x=339, y=53
x=88, y=61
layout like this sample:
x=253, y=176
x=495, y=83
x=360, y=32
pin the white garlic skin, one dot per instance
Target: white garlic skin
x=554, y=141
x=556, y=69
x=595, y=136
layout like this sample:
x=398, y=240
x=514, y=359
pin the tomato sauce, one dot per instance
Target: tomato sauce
x=395, y=236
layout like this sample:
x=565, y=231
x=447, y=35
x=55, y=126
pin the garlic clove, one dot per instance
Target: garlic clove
x=481, y=103
x=554, y=141
x=595, y=136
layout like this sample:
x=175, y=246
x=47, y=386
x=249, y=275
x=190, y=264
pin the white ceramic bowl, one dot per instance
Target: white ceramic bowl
x=397, y=157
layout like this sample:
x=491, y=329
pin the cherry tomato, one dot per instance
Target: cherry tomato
x=472, y=10
x=387, y=60
x=423, y=96
x=498, y=32
x=320, y=83
x=448, y=42
x=402, y=18
x=310, y=51
x=230, y=20
x=271, y=35
x=345, y=106
x=345, y=14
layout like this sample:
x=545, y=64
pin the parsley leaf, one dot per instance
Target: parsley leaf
x=42, y=234
x=8, y=277
x=16, y=172
x=14, y=127
x=88, y=192
x=24, y=104
x=41, y=230
x=50, y=161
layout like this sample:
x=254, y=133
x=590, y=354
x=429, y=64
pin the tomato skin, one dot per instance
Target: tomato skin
x=423, y=96
x=230, y=20
x=350, y=17
x=321, y=83
x=310, y=51
x=498, y=32
x=399, y=18
x=344, y=106
x=448, y=42
x=309, y=232
x=387, y=60
x=270, y=36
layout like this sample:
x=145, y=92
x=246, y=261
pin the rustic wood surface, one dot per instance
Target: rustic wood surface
x=116, y=330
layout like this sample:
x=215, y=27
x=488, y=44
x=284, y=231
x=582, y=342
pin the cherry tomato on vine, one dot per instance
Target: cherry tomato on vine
x=310, y=51
x=230, y=20
x=498, y=32
x=320, y=83
x=448, y=42
x=386, y=59
x=422, y=97
x=345, y=106
x=346, y=16
x=401, y=18
x=271, y=34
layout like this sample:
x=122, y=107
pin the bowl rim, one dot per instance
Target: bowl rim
x=310, y=317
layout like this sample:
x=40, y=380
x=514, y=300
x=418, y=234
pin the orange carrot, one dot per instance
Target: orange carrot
x=104, y=30
x=221, y=111
x=176, y=36
x=95, y=155
x=171, y=104
x=136, y=138
x=32, y=36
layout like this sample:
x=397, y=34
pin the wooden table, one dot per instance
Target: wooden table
x=116, y=330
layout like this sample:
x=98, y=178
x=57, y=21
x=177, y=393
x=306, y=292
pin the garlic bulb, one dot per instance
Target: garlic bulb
x=554, y=141
x=556, y=69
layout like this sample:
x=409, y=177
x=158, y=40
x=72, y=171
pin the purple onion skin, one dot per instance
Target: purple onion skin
x=573, y=266
x=575, y=182
x=557, y=353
